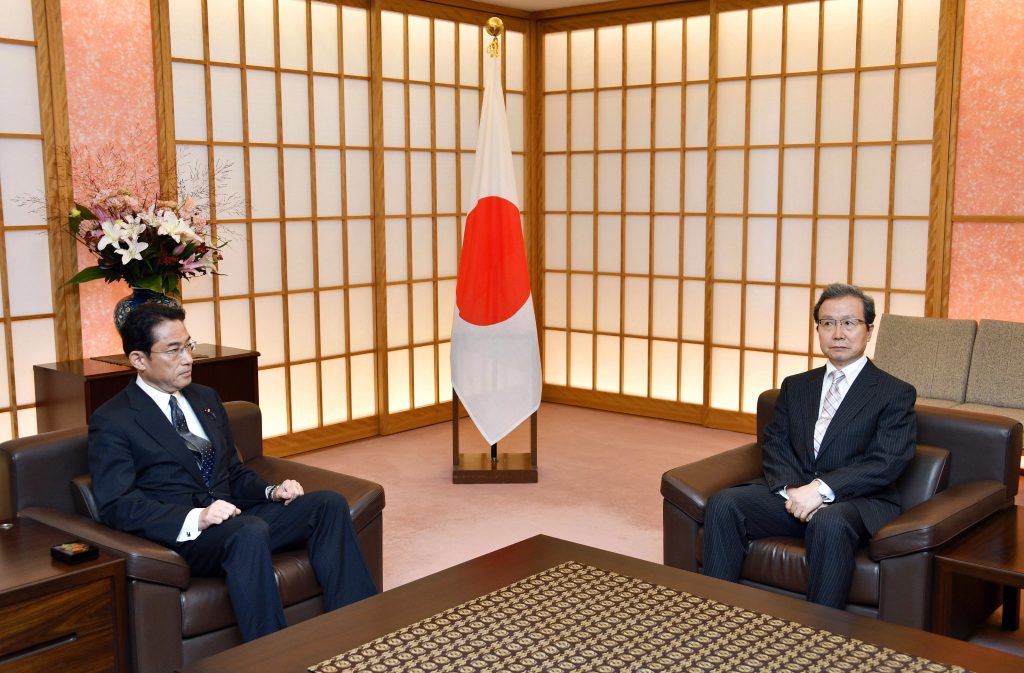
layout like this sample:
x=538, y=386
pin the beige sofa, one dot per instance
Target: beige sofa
x=956, y=363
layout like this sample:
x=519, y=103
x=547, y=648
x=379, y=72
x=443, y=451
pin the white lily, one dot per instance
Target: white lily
x=171, y=225
x=134, y=225
x=133, y=251
x=113, y=232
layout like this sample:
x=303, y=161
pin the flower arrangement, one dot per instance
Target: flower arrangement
x=149, y=244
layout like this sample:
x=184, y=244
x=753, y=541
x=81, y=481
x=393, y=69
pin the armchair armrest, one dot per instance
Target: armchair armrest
x=365, y=498
x=143, y=560
x=688, y=487
x=935, y=522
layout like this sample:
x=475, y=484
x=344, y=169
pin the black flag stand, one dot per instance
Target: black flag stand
x=493, y=468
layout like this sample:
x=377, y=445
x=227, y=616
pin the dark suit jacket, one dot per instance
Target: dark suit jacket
x=145, y=480
x=869, y=442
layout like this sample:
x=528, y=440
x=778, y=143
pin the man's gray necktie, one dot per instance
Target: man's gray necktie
x=833, y=399
x=202, y=448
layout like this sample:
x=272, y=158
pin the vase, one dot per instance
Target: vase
x=138, y=297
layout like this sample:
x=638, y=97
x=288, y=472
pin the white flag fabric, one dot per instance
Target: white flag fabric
x=495, y=354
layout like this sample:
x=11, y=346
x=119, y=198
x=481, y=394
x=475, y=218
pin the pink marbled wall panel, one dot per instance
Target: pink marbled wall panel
x=108, y=55
x=990, y=131
x=987, y=274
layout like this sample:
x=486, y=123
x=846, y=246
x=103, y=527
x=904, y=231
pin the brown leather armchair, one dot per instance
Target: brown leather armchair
x=173, y=618
x=965, y=470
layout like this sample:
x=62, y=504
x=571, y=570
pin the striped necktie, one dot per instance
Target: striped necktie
x=201, y=448
x=833, y=398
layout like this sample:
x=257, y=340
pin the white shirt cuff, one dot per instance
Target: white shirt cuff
x=190, y=529
x=826, y=493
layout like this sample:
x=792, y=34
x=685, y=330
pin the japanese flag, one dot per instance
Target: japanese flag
x=495, y=355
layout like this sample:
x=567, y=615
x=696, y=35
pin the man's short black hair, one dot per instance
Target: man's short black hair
x=137, y=331
x=837, y=290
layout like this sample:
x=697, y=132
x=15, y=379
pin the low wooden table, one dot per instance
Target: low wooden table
x=54, y=616
x=68, y=392
x=308, y=643
x=994, y=551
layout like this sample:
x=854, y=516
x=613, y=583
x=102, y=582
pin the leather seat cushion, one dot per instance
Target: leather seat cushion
x=206, y=606
x=782, y=562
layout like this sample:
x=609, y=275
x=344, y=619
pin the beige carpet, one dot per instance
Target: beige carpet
x=599, y=478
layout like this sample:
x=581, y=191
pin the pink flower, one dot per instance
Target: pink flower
x=192, y=265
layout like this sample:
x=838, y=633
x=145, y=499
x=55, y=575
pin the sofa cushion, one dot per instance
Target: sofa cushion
x=1015, y=414
x=908, y=348
x=996, y=365
x=932, y=402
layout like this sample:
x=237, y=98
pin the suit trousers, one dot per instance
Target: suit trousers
x=736, y=516
x=240, y=549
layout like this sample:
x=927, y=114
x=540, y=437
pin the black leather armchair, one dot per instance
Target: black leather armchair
x=173, y=618
x=965, y=470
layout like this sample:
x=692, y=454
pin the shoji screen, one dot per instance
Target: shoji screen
x=431, y=72
x=708, y=172
x=626, y=156
x=272, y=98
x=822, y=173
x=34, y=257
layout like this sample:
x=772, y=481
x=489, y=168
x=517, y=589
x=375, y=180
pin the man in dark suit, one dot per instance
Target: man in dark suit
x=164, y=467
x=842, y=435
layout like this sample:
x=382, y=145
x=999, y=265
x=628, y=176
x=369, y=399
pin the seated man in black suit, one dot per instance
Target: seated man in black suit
x=842, y=435
x=164, y=467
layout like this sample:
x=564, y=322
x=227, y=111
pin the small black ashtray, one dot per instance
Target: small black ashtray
x=74, y=552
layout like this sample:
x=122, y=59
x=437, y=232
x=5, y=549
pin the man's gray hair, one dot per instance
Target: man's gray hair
x=837, y=290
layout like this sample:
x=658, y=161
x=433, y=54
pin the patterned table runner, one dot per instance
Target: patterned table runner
x=574, y=617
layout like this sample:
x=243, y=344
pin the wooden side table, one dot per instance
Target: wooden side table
x=68, y=392
x=54, y=616
x=994, y=552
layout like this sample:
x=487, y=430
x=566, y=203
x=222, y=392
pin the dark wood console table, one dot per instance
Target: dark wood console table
x=68, y=392
x=57, y=617
x=993, y=551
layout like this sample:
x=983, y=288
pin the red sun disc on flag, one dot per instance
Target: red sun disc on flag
x=493, y=279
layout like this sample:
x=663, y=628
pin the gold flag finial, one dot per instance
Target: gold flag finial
x=495, y=27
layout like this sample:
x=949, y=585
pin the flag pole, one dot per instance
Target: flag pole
x=494, y=27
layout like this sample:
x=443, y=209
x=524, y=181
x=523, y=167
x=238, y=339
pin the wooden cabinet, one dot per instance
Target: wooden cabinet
x=54, y=616
x=68, y=392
